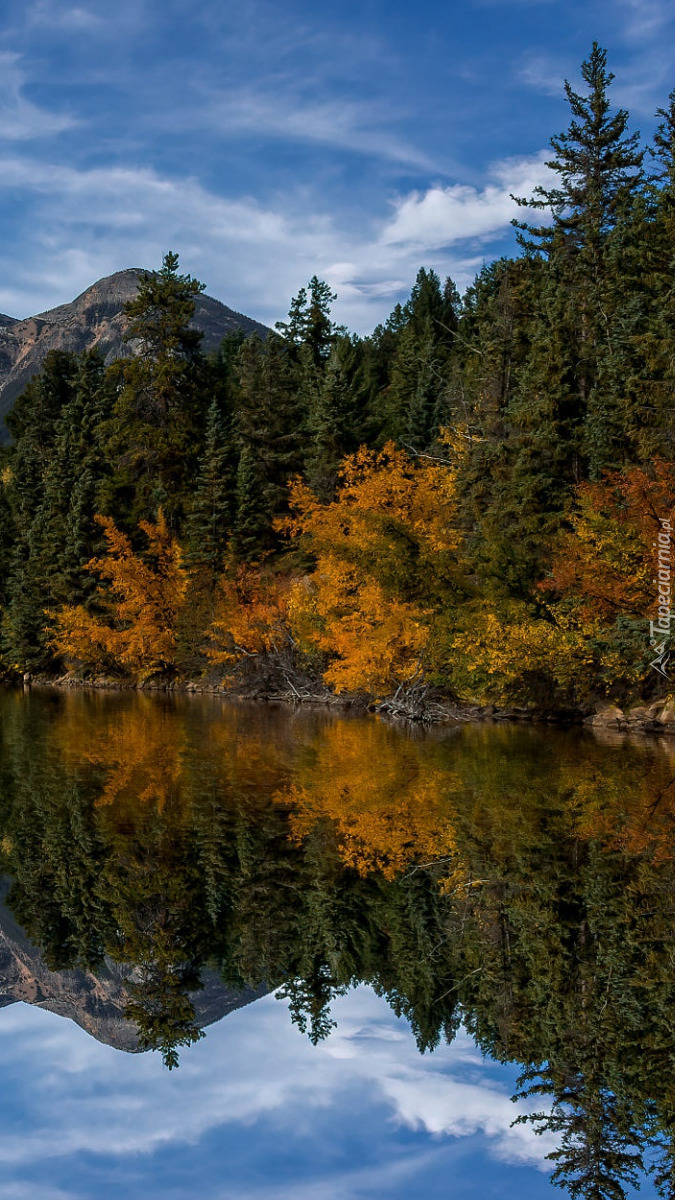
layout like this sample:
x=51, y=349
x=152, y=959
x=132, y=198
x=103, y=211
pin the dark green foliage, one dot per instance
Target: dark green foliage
x=417, y=395
x=49, y=498
x=210, y=514
x=337, y=418
x=269, y=429
x=309, y=321
x=556, y=365
x=598, y=166
x=154, y=428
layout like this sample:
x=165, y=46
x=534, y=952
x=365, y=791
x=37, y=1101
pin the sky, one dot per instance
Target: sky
x=266, y=142
x=255, y=1112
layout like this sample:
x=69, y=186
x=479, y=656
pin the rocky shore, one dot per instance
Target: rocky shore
x=658, y=718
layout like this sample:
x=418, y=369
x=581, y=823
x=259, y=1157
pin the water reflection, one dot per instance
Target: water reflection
x=518, y=882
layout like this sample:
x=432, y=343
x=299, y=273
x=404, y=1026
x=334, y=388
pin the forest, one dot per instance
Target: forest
x=516, y=885
x=464, y=505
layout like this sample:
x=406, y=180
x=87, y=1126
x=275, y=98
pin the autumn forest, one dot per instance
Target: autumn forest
x=462, y=506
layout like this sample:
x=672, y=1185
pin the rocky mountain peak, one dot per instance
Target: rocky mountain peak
x=95, y=318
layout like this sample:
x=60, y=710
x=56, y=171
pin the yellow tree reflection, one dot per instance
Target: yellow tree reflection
x=391, y=807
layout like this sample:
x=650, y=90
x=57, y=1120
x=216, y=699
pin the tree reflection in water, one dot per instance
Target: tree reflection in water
x=520, y=882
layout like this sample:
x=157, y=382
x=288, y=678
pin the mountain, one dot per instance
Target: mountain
x=94, y=1002
x=96, y=318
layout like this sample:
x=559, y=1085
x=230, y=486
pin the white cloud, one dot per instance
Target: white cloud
x=442, y=216
x=75, y=1096
x=82, y=224
x=20, y=119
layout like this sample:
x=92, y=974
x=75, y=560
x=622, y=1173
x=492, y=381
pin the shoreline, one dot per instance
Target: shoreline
x=430, y=708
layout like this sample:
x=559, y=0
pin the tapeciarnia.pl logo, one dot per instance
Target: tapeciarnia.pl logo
x=659, y=631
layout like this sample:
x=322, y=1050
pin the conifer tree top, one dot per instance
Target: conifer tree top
x=598, y=164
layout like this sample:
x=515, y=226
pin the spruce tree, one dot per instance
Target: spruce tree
x=598, y=164
x=268, y=426
x=337, y=413
x=599, y=168
x=255, y=501
x=154, y=430
x=309, y=321
x=207, y=534
x=209, y=521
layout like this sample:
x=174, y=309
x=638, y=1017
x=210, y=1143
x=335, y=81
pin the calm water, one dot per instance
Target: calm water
x=352, y=945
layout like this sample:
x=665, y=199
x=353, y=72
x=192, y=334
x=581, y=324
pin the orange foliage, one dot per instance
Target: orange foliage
x=630, y=813
x=607, y=562
x=141, y=603
x=386, y=551
x=141, y=757
x=251, y=616
x=389, y=805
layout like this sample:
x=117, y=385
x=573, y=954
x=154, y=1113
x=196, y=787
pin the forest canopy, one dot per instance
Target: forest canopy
x=465, y=502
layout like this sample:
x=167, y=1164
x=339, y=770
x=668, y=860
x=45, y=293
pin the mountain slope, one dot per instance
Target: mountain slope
x=95, y=1002
x=96, y=318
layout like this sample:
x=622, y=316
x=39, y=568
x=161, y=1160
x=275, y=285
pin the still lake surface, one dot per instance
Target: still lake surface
x=353, y=944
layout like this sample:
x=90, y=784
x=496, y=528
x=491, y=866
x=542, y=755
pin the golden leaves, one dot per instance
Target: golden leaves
x=141, y=604
x=390, y=532
x=389, y=803
x=251, y=615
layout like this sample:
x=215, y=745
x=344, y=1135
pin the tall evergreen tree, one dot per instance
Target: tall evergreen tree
x=599, y=168
x=153, y=433
x=269, y=428
x=309, y=321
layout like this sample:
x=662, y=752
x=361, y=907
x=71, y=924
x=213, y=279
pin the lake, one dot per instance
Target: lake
x=256, y=951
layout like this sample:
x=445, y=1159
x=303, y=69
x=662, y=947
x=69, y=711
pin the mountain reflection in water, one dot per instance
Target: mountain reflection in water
x=172, y=860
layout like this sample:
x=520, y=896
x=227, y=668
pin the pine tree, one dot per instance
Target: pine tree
x=337, y=407
x=209, y=521
x=255, y=501
x=208, y=532
x=309, y=321
x=154, y=430
x=599, y=169
x=598, y=164
x=29, y=586
x=269, y=429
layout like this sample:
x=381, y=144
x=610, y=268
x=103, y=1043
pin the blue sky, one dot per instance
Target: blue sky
x=256, y=1113
x=265, y=142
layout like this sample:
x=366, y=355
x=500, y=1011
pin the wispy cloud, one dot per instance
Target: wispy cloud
x=28, y=1191
x=20, y=118
x=81, y=224
x=74, y=19
x=282, y=110
x=543, y=73
x=646, y=18
x=92, y=18
x=73, y=1097
x=642, y=81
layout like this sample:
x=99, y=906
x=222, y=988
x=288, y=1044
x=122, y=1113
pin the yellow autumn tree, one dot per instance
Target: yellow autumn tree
x=251, y=616
x=586, y=634
x=386, y=553
x=140, y=599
